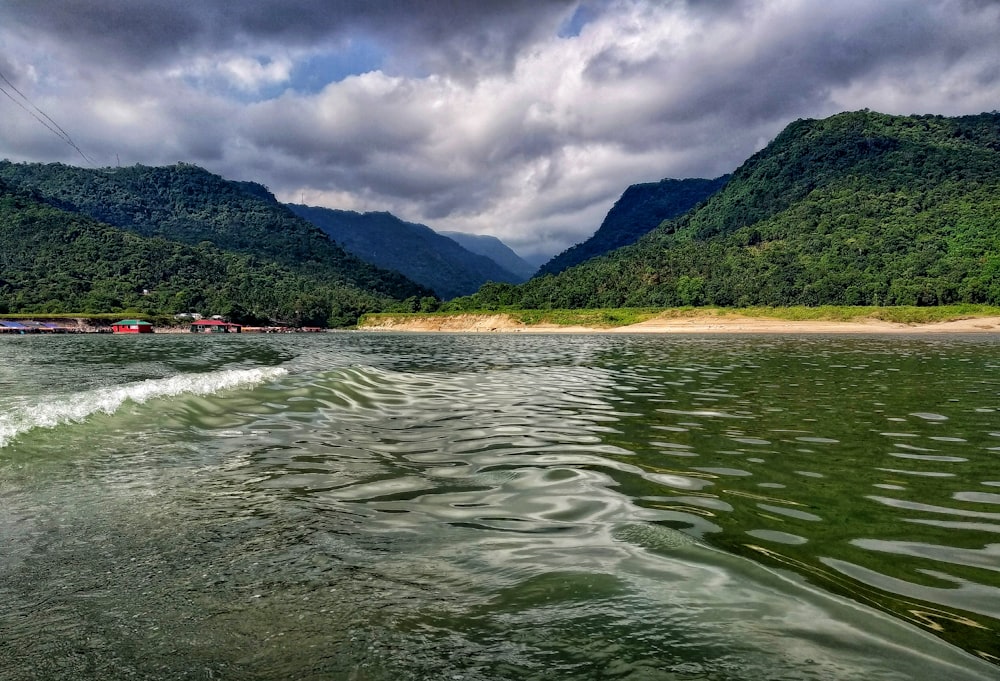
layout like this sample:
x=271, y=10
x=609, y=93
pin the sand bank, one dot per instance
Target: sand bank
x=501, y=323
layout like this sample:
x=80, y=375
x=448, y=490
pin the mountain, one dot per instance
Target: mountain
x=57, y=261
x=496, y=250
x=189, y=205
x=860, y=208
x=639, y=211
x=417, y=251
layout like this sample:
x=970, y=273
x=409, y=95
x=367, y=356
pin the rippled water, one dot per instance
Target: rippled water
x=365, y=506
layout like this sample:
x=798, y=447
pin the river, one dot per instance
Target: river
x=499, y=506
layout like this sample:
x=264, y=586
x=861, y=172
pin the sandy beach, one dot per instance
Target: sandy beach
x=501, y=323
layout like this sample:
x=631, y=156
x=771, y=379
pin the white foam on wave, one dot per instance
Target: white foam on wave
x=77, y=407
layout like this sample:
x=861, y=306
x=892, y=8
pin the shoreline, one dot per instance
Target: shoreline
x=706, y=323
x=700, y=324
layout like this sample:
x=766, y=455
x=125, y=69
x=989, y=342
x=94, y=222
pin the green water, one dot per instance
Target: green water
x=366, y=506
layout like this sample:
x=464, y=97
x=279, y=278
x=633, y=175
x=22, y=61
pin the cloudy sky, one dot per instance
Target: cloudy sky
x=524, y=119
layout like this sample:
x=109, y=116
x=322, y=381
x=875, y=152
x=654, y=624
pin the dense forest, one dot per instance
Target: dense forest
x=857, y=209
x=415, y=250
x=55, y=259
x=640, y=210
x=190, y=205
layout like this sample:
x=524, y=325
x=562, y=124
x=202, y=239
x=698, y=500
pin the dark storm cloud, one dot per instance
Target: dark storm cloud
x=138, y=32
x=146, y=33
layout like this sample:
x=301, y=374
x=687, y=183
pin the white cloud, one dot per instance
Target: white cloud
x=242, y=72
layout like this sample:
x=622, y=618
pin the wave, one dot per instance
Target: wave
x=77, y=407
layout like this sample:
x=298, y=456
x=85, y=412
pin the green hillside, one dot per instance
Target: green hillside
x=187, y=204
x=417, y=251
x=639, y=210
x=857, y=209
x=56, y=261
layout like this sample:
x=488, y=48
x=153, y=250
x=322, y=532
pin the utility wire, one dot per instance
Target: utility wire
x=25, y=98
x=43, y=118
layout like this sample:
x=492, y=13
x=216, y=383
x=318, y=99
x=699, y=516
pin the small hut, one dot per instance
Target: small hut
x=132, y=326
x=214, y=326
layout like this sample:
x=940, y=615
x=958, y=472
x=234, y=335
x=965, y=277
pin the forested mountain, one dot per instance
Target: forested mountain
x=52, y=260
x=496, y=250
x=417, y=251
x=639, y=211
x=859, y=208
x=187, y=204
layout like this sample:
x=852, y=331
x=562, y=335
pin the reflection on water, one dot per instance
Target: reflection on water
x=366, y=506
x=841, y=449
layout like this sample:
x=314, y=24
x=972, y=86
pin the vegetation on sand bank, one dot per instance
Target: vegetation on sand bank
x=609, y=318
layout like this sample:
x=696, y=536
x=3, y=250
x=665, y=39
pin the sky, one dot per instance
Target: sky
x=521, y=119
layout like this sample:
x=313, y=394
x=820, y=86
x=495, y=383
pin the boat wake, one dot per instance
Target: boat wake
x=71, y=408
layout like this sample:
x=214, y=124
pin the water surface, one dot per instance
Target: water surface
x=379, y=506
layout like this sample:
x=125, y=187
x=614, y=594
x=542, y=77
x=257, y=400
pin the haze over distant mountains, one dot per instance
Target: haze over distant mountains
x=417, y=251
x=496, y=250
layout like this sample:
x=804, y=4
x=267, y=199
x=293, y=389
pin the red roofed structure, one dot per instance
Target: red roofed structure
x=132, y=326
x=214, y=326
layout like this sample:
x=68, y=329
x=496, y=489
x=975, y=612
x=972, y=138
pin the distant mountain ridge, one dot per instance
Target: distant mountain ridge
x=639, y=210
x=415, y=250
x=496, y=250
x=860, y=208
x=188, y=204
x=56, y=261
x=193, y=239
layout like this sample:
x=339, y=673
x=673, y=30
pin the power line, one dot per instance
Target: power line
x=32, y=113
x=25, y=98
x=43, y=118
